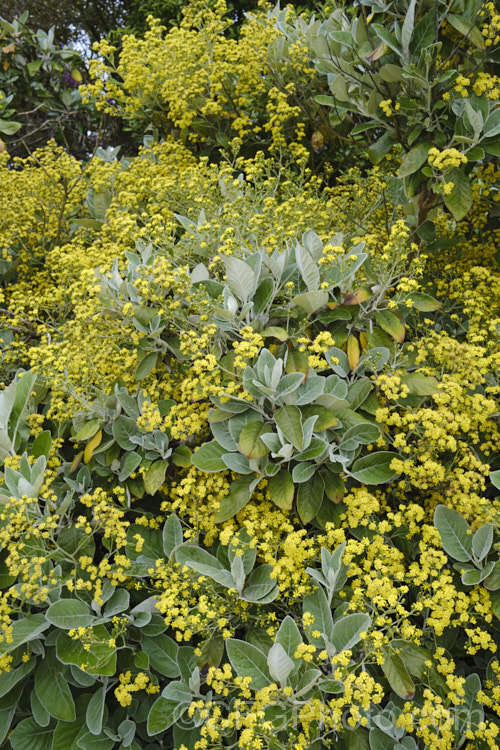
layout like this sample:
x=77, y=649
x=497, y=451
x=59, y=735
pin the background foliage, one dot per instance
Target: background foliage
x=249, y=407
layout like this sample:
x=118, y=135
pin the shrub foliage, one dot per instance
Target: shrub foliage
x=249, y=416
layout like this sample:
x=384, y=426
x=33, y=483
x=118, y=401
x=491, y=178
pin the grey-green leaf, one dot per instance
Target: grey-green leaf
x=204, y=563
x=289, y=636
x=374, y=468
x=248, y=661
x=69, y=613
x=164, y=712
x=95, y=711
x=209, y=457
x=279, y=663
x=288, y=419
x=172, y=535
x=347, y=630
x=455, y=533
x=482, y=541
x=54, y=694
x=308, y=268
x=240, y=278
x=459, y=200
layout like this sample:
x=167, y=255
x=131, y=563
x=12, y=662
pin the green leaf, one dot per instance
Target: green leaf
x=288, y=419
x=397, y=675
x=303, y=472
x=380, y=148
x=361, y=434
x=275, y=332
x=414, y=657
x=29, y=736
x=390, y=73
x=39, y=712
x=209, y=457
x=414, y=159
x=172, y=535
x=338, y=361
x=250, y=443
x=126, y=730
x=237, y=463
x=289, y=637
x=317, y=605
x=492, y=581
x=482, y=541
x=24, y=630
x=240, y=278
x=279, y=663
x=67, y=734
x=123, y=429
x=54, y=694
x=463, y=25
x=222, y=433
x=407, y=31
x=289, y=383
x=90, y=742
x=471, y=577
x=239, y=495
x=424, y=302
x=492, y=124
x=495, y=603
x=34, y=66
x=347, y=629
x=205, y=564
x=88, y=430
x=309, y=498
x=6, y=716
x=162, y=652
x=146, y=366
x=42, y=444
x=311, y=301
x=248, y=661
x=8, y=680
x=69, y=613
x=379, y=740
x=23, y=388
x=164, y=712
x=9, y=127
x=182, y=456
x=459, y=201
x=95, y=711
x=100, y=659
x=281, y=489
x=391, y=324
x=375, y=468
x=325, y=417
x=312, y=242
x=385, y=36
x=263, y=296
x=260, y=585
x=118, y=602
x=308, y=268
x=151, y=545
x=419, y=384
x=495, y=479
x=455, y=533
x=129, y=463
x=297, y=361
x=154, y=478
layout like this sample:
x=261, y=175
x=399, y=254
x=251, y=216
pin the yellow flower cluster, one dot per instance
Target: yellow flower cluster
x=445, y=160
x=127, y=686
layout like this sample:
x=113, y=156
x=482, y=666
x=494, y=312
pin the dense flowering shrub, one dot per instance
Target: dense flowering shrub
x=248, y=431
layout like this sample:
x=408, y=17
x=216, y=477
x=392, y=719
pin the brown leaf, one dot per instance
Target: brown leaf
x=378, y=52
